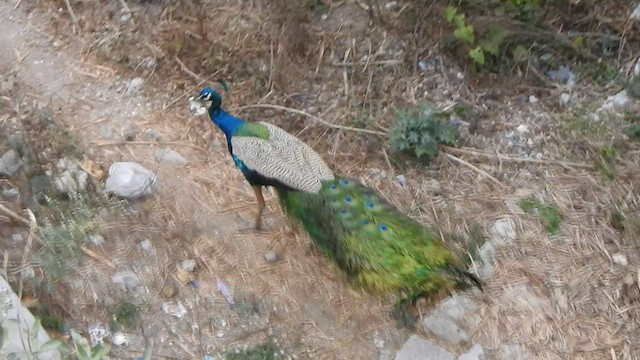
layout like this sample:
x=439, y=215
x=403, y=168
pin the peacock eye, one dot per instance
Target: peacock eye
x=364, y=221
x=383, y=227
x=347, y=199
x=370, y=205
x=344, y=182
x=343, y=212
x=333, y=187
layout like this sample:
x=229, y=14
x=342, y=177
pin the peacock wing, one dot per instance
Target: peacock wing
x=283, y=158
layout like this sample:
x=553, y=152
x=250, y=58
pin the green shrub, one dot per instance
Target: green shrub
x=420, y=131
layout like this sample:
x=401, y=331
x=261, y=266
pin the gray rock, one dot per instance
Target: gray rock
x=127, y=280
x=135, y=84
x=271, y=256
x=503, y=231
x=146, y=246
x=71, y=178
x=418, y=348
x=487, y=255
x=18, y=331
x=151, y=135
x=445, y=328
x=168, y=156
x=188, y=265
x=565, y=98
x=621, y=100
x=96, y=239
x=10, y=194
x=130, y=180
x=475, y=353
x=401, y=180
x=10, y=163
x=17, y=239
x=512, y=352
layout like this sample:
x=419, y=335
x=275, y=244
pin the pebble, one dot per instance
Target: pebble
x=271, y=256
x=503, y=231
x=10, y=194
x=10, y=163
x=174, y=309
x=565, y=98
x=119, y=339
x=533, y=99
x=96, y=239
x=188, y=265
x=135, y=84
x=71, y=178
x=127, y=280
x=168, y=156
x=146, y=246
x=17, y=238
x=401, y=180
x=620, y=259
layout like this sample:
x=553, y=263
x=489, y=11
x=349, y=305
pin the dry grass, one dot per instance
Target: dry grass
x=561, y=296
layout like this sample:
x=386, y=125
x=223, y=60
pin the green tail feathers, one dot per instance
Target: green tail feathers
x=380, y=248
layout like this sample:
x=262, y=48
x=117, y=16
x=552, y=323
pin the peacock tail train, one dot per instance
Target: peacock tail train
x=381, y=249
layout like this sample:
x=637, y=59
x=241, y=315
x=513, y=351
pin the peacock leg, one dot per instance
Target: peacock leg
x=257, y=189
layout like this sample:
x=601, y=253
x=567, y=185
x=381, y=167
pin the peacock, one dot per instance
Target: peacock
x=378, y=247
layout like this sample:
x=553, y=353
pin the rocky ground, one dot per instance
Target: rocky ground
x=173, y=269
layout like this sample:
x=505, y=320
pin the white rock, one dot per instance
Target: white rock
x=147, y=246
x=620, y=259
x=565, y=98
x=96, y=239
x=126, y=279
x=635, y=15
x=10, y=163
x=621, y=100
x=445, y=328
x=71, y=181
x=135, y=84
x=401, y=180
x=475, y=353
x=119, y=339
x=533, y=99
x=188, y=265
x=196, y=108
x=174, y=309
x=417, y=348
x=503, y=231
x=17, y=238
x=523, y=129
x=130, y=180
x=169, y=156
x=270, y=256
x=11, y=194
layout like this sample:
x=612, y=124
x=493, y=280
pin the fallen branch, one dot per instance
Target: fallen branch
x=474, y=168
x=463, y=151
x=313, y=117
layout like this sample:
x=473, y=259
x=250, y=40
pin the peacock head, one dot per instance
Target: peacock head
x=208, y=94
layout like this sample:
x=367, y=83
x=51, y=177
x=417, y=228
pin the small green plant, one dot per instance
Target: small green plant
x=464, y=32
x=125, y=316
x=80, y=349
x=269, y=350
x=550, y=214
x=420, y=131
x=604, y=162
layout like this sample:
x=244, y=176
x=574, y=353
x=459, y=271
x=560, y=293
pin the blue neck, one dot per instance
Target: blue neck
x=226, y=122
